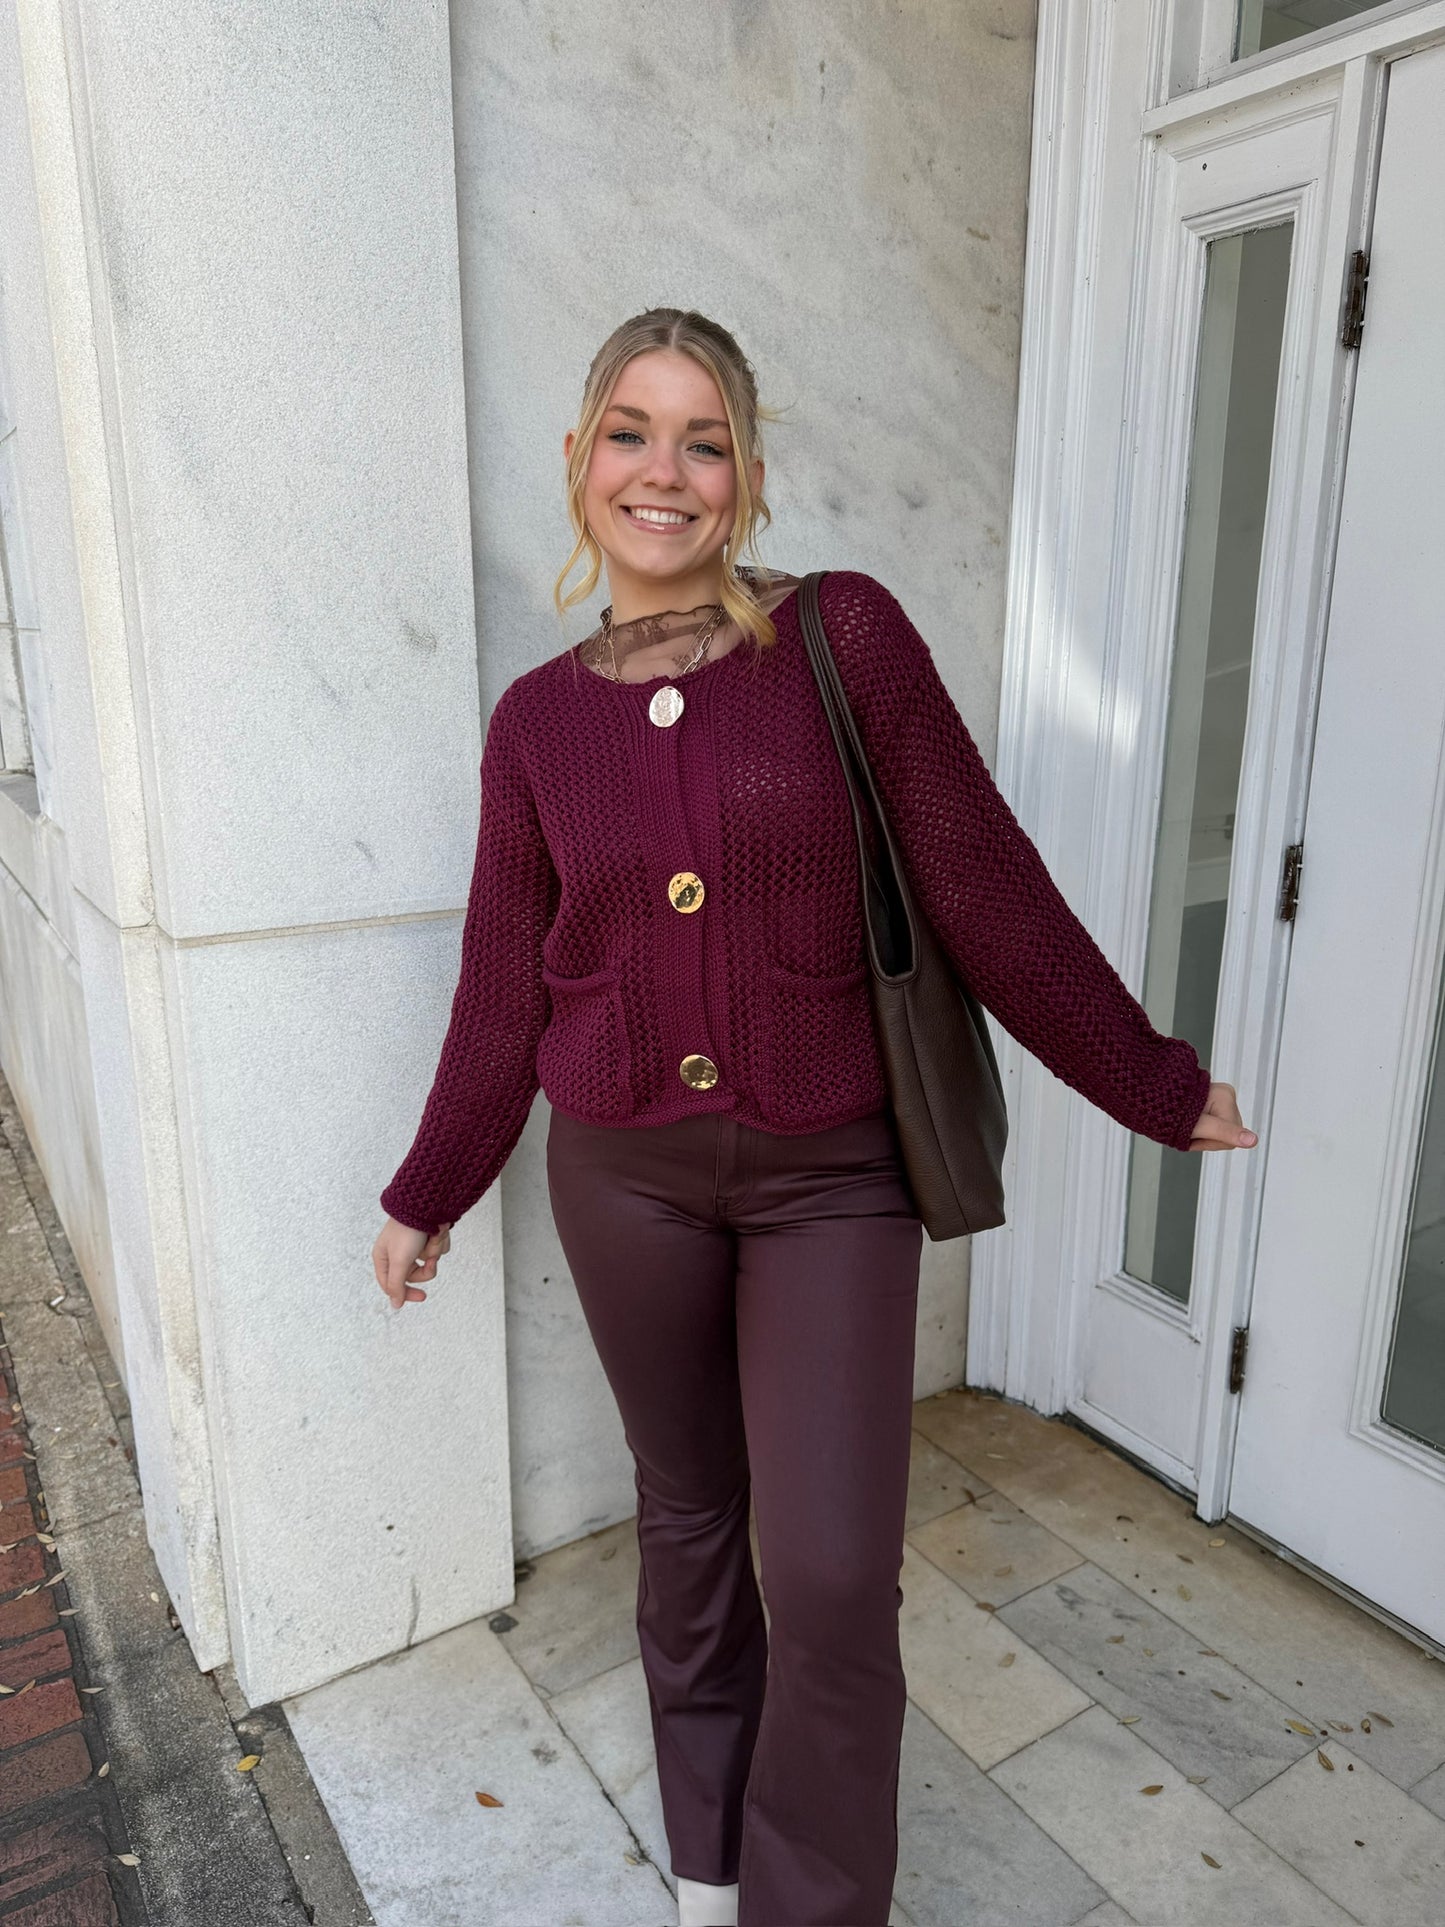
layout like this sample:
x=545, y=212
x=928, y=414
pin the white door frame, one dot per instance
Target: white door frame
x=1095, y=527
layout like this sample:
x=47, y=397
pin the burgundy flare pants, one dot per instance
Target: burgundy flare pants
x=752, y=1299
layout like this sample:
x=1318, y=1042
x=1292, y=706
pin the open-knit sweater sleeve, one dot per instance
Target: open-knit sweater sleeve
x=984, y=887
x=486, y=1076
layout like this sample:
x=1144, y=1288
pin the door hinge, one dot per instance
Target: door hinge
x=1239, y=1345
x=1294, y=858
x=1356, y=284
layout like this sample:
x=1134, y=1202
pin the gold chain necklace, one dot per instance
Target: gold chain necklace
x=705, y=636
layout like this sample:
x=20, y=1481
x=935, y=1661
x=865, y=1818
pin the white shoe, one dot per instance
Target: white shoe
x=699, y=1905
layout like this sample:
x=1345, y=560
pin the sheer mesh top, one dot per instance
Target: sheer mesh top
x=670, y=637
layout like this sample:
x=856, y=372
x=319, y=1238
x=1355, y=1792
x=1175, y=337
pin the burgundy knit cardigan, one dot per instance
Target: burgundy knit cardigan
x=579, y=976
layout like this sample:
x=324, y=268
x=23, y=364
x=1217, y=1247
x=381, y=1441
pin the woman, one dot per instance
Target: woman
x=664, y=933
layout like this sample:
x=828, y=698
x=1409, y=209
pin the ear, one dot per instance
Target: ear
x=567, y=441
x=757, y=478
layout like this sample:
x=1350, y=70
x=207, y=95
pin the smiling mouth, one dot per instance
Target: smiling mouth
x=647, y=517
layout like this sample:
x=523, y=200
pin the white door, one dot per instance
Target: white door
x=1340, y=1441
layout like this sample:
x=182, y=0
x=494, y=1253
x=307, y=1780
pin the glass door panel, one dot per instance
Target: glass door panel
x=1246, y=280
x=1261, y=24
x=1414, y=1401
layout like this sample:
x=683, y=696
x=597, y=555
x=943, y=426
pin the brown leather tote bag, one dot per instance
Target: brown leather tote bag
x=938, y=1059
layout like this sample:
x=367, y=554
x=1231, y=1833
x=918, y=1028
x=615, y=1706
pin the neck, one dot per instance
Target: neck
x=633, y=595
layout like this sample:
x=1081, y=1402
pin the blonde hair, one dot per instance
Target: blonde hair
x=715, y=349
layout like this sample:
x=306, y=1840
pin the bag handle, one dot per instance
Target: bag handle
x=885, y=882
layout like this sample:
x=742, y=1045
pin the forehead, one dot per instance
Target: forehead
x=663, y=380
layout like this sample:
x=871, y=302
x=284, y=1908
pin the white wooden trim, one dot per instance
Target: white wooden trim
x=1057, y=247
x=1403, y=27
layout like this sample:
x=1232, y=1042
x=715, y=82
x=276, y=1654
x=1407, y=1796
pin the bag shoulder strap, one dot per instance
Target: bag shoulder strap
x=857, y=772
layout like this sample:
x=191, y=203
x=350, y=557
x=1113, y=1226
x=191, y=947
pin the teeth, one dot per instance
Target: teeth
x=659, y=515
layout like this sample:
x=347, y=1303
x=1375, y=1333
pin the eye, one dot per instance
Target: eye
x=624, y=435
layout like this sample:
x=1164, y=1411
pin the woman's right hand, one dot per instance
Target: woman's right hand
x=401, y=1257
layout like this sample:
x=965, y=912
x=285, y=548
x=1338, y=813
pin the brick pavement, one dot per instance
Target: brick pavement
x=61, y=1830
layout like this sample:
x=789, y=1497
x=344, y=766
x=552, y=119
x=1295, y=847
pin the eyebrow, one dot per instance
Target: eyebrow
x=641, y=415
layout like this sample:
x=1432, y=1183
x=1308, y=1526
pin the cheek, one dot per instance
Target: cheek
x=718, y=488
x=607, y=473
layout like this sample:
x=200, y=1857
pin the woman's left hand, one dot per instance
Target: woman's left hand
x=1220, y=1127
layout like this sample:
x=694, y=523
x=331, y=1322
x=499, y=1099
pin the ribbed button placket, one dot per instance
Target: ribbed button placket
x=675, y=767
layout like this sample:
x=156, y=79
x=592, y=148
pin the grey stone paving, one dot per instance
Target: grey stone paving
x=1074, y=1637
x=1201, y=1713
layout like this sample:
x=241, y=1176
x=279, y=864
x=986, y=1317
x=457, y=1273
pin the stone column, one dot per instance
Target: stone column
x=273, y=733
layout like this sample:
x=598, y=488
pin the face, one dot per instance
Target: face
x=661, y=493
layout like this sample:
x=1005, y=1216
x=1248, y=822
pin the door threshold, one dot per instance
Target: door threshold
x=1432, y=1648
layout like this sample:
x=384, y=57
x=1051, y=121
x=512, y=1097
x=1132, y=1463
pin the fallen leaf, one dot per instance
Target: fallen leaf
x=996, y=1455
x=1147, y=1651
x=1208, y=1859
x=1365, y=1724
x=1115, y=1639
x=55, y=1578
x=985, y=1605
x=1184, y=1592
x=1298, y=1726
x=7, y=1689
x=1002, y=1572
x=251, y=1759
x=101, y=1771
x=1340, y=1726
x=26, y=1687
x=68, y=1612
x=1218, y=1542
x=1129, y=1719
x=92, y=1689
x=1198, y=1779
x=1220, y=1696
x=1124, y=1516
x=488, y=1800
x=1158, y=1787
x=1324, y=1759
x=1381, y=1718
x=128, y=1859
x=1185, y=1557
x=1208, y=1652
x=1008, y=1659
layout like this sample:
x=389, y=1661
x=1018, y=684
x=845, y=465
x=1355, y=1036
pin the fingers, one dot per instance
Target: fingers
x=401, y=1293
x=400, y=1269
x=425, y=1265
x=1214, y=1133
x=1220, y=1127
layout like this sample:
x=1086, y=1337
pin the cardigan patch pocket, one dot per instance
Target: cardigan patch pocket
x=584, y=1060
x=822, y=1055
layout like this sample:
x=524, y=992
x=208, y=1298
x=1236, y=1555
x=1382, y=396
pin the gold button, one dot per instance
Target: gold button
x=699, y=1071
x=685, y=891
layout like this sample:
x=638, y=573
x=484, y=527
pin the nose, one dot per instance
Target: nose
x=662, y=469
